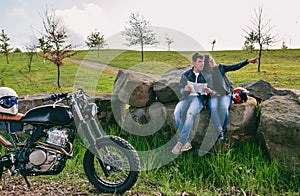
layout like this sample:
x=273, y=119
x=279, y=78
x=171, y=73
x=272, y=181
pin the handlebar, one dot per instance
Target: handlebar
x=54, y=97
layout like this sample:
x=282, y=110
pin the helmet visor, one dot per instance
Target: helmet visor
x=8, y=102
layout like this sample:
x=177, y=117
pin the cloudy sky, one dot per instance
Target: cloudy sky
x=191, y=23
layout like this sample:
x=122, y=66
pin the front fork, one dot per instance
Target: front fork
x=90, y=136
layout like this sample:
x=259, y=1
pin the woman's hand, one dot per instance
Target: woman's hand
x=253, y=60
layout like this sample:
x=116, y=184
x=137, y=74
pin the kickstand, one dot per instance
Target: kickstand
x=27, y=182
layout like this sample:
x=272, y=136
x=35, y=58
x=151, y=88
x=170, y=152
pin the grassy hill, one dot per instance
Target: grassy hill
x=279, y=67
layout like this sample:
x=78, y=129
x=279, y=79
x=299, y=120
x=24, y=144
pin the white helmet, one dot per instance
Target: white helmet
x=8, y=101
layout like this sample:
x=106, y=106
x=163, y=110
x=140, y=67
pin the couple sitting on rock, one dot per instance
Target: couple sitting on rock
x=205, y=82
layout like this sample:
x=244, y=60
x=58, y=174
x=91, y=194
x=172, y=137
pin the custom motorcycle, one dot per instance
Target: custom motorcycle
x=110, y=163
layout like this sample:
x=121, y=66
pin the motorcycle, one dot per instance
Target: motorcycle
x=110, y=163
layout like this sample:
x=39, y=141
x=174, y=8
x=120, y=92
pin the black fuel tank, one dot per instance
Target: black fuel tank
x=47, y=114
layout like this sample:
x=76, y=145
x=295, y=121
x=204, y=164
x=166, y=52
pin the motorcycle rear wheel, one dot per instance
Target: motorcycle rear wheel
x=120, y=160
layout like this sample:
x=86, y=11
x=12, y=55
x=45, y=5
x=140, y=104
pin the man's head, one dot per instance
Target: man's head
x=198, y=61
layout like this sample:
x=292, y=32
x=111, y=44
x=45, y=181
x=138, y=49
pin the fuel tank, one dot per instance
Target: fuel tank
x=47, y=114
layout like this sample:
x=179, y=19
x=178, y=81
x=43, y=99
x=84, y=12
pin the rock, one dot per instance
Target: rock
x=262, y=90
x=242, y=120
x=167, y=87
x=133, y=88
x=279, y=129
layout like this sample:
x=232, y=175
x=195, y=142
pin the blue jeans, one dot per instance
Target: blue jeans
x=193, y=106
x=219, y=106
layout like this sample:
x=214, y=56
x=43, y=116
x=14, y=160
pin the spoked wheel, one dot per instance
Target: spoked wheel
x=119, y=168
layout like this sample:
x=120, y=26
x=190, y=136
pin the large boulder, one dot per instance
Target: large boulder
x=279, y=129
x=262, y=90
x=167, y=87
x=242, y=120
x=135, y=89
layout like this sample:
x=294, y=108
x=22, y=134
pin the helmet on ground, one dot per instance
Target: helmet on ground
x=8, y=101
x=239, y=95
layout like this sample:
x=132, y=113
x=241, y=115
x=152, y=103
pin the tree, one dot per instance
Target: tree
x=4, y=45
x=284, y=46
x=251, y=38
x=213, y=44
x=56, y=36
x=139, y=32
x=45, y=47
x=30, y=51
x=95, y=41
x=169, y=41
x=248, y=46
x=261, y=32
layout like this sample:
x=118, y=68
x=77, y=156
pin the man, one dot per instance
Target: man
x=192, y=102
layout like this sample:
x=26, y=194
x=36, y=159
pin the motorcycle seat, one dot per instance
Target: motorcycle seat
x=16, y=117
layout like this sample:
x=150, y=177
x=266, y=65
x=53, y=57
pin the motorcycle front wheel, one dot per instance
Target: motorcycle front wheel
x=118, y=169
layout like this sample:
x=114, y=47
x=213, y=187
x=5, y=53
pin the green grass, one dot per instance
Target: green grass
x=43, y=77
x=281, y=68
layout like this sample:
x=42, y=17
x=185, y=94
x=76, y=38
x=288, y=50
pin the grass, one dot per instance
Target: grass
x=281, y=68
x=43, y=77
x=236, y=171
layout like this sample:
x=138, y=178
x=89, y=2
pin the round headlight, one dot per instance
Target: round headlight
x=92, y=109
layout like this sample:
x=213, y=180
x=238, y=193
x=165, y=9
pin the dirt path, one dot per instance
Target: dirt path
x=104, y=67
x=95, y=65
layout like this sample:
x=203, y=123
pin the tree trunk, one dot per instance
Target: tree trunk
x=259, y=57
x=142, y=52
x=7, y=62
x=58, y=76
x=29, y=65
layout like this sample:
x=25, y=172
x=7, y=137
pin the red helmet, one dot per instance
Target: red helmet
x=239, y=95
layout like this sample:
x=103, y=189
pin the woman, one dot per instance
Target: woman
x=220, y=99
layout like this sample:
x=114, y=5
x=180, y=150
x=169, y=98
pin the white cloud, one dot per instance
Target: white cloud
x=18, y=12
x=84, y=20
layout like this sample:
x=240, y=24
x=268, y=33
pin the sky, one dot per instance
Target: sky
x=192, y=24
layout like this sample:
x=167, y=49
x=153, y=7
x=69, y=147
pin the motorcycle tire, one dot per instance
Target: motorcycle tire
x=120, y=160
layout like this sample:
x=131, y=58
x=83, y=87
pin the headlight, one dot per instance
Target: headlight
x=91, y=109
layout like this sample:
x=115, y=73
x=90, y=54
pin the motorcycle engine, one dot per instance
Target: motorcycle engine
x=44, y=157
x=57, y=137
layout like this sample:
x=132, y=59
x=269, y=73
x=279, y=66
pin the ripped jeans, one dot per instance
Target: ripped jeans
x=193, y=106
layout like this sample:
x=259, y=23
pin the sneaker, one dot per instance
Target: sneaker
x=222, y=137
x=187, y=146
x=177, y=148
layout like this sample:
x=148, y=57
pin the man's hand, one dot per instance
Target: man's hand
x=188, y=88
x=253, y=60
x=207, y=90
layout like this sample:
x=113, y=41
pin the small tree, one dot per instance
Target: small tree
x=284, y=46
x=30, y=51
x=251, y=38
x=4, y=45
x=248, y=46
x=261, y=32
x=56, y=36
x=268, y=41
x=95, y=41
x=169, y=41
x=45, y=47
x=213, y=45
x=139, y=32
x=17, y=50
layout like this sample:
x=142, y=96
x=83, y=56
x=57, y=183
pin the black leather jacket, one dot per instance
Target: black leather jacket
x=221, y=83
x=190, y=76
